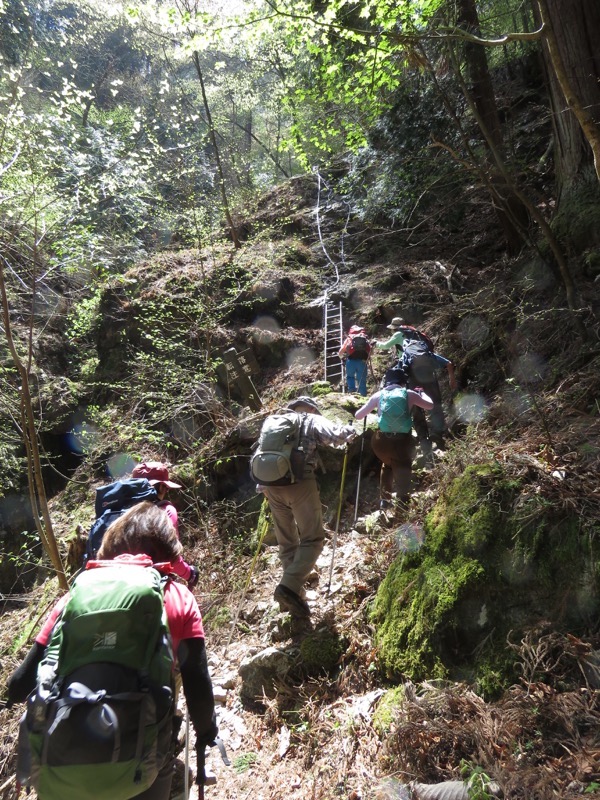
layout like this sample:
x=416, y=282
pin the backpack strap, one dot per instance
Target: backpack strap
x=79, y=693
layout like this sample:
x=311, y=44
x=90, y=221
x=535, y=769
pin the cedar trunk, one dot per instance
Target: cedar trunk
x=576, y=35
x=511, y=213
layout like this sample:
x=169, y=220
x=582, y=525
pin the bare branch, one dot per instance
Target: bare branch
x=6, y=167
x=465, y=36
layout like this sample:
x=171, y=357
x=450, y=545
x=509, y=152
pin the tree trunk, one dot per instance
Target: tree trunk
x=510, y=211
x=213, y=139
x=37, y=491
x=572, y=59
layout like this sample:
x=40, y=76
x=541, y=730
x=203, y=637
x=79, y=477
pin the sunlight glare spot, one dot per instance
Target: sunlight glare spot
x=516, y=400
x=471, y=408
x=300, y=357
x=409, y=538
x=473, y=331
x=81, y=438
x=119, y=465
x=184, y=429
x=530, y=368
x=265, y=323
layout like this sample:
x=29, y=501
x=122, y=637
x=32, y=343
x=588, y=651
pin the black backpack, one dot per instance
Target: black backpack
x=411, y=334
x=418, y=361
x=359, y=346
x=111, y=501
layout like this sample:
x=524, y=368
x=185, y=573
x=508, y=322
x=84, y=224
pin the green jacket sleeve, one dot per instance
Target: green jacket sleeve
x=395, y=339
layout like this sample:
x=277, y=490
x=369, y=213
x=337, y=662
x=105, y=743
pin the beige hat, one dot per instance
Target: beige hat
x=303, y=402
x=396, y=323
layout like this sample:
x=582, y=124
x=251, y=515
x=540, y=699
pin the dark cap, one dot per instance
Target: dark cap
x=303, y=400
x=395, y=375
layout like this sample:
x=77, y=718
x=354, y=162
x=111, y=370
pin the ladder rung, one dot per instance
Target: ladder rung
x=333, y=341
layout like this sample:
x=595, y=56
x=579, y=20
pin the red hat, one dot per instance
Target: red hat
x=156, y=472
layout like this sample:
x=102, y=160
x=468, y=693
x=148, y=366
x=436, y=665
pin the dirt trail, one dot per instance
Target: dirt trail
x=271, y=759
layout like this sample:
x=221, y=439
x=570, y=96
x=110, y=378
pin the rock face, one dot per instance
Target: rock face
x=15, y=518
x=263, y=673
x=494, y=563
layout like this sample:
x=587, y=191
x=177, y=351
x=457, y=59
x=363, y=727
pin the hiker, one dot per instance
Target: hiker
x=157, y=475
x=149, y=481
x=402, y=333
x=393, y=443
x=416, y=354
x=422, y=365
x=396, y=340
x=356, y=350
x=141, y=537
x=296, y=503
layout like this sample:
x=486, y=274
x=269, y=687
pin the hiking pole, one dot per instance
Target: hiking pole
x=339, y=514
x=362, y=446
x=370, y=363
x=201, y=777
x=245, y=589
x=206, y=777
x=186, y=779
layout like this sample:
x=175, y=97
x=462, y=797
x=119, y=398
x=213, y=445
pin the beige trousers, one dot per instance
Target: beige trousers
x=298, y=522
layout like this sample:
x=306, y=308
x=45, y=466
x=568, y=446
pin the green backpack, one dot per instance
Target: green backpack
x=98, y=726
x=279, y=458
x=394, y=415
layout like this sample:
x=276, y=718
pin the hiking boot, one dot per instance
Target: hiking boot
x=312, y=579
x=385, y=504
x=438, y=441
x=292, y=602
x=300, y=626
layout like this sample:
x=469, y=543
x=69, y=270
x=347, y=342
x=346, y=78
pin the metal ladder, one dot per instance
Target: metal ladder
x=334, y=333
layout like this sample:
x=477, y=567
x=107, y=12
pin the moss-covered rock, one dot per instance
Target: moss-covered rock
x=387, y=709
x=497, y=558
x=321, y=652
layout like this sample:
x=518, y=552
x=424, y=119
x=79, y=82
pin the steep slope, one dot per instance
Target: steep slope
x=527, y=401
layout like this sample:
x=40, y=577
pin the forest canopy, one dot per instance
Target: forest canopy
x=129, y=128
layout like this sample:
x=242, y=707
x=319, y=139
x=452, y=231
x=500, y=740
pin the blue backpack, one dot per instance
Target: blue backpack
x=419, y=362
x=111, y=501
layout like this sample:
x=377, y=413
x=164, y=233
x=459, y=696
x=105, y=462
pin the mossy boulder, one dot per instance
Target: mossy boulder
x=497, y=560
x=321, y=651
x=386, y=710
